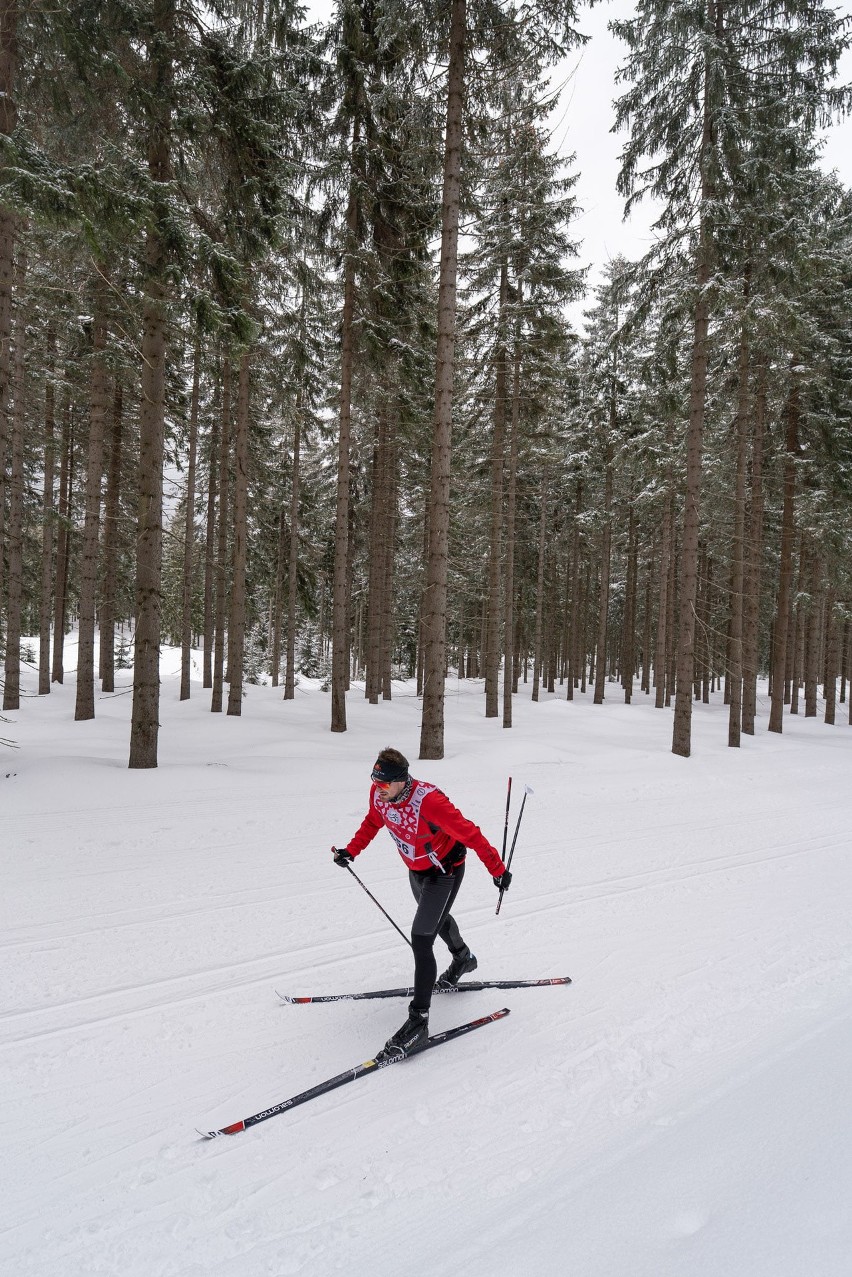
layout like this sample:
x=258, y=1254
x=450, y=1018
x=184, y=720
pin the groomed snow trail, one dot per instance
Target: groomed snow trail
x=680, y=1110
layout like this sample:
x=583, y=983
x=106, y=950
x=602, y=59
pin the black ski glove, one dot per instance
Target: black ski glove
x=503, y=881
x=343, y=858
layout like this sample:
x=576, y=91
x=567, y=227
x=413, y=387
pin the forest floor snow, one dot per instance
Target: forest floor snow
x=680, y=1110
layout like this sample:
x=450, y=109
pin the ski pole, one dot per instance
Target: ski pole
x=378, y=906
x=506, y=822
x=508, y=863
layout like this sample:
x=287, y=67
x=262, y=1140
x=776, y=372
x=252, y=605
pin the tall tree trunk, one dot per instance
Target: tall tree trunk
x=671, y=614
x=378, y=553
x=14, y=600
x=628, y=643
x=606, y=554
x=706, y=614
x=216, y=699
x=812, y=638
x=576, y=608
x=753, y=573
x=237, y=621
x=85, y=702
x=387, y=625
x=647, y=614
x=735, y=669
x=663, y=603
x=293, y=561
x=682, y=727
x=832, y=655
x=498, y=445
x=340, y=595
x=210, y=546
x=9, y=12
x=48, y=517
x=112, y=508
x=189, y=529
x=435, y=609
x=66, y=486
x=509, y=665
x=276, y=606
x=539, y=590
x=144, y=728
x=785, y=574
x=584, y=626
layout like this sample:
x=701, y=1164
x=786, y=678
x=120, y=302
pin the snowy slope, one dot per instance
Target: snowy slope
x=681, y=1110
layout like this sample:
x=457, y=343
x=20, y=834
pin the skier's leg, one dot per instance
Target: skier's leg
x=436, y=894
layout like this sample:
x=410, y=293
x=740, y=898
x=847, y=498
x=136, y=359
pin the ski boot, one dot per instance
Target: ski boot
x=462, y=964
x=407, y=1039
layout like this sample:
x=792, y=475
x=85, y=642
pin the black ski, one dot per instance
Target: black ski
x=466, y=986
x=351, y=1075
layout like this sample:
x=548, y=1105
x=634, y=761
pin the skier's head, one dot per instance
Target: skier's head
x=390, y=766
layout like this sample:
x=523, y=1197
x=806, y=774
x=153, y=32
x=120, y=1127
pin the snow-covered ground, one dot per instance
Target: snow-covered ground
x=681, y=1110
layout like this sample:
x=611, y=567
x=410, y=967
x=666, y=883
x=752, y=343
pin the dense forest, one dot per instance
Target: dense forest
x=287, y=372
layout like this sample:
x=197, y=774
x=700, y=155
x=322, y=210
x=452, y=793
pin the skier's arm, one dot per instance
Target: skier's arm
x=438, y=809
x=367, y=830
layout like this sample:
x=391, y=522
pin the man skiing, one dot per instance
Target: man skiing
x=432, y=836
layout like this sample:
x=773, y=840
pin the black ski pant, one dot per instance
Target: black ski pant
x=434, y=892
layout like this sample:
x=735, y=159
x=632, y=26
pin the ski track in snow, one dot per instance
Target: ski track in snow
x=657, y=1118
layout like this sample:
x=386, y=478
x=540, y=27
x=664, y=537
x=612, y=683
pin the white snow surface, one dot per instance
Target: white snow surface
x=680, y=1110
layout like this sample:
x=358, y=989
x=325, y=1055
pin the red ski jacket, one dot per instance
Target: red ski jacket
x=425, y=827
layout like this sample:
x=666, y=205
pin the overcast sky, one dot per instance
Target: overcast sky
x=582, y=124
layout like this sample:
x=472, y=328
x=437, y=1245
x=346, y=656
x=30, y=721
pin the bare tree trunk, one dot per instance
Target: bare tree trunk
x=706, y=613
x=812, y=638
x=584, y=625
x=576, y=609
x=276, y=606
x=671, y=614
x=216, y=699
x=735, y=668
x=509, y=668
x=785, y=577
x=209, y=546
x=753, y=573
x=237, y=621
x=498, y=446
x=144, y=729
x=663, y=603
x=387, y=614
x=647, y=615
x=85, y=701
x=435, y=604
x=378, y=554
x=48, y=517
x=189, y=529
x=831, y=659
x=293, y=562
x=9, y=12
x=539, y=590
x=606, y=554
x=628, y=641
x=111, y=542
x=682, y=727
x=340, y=595
x=66, y=484
x=14, y=598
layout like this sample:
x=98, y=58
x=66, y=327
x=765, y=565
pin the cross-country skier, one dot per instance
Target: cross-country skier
x=432, y=836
